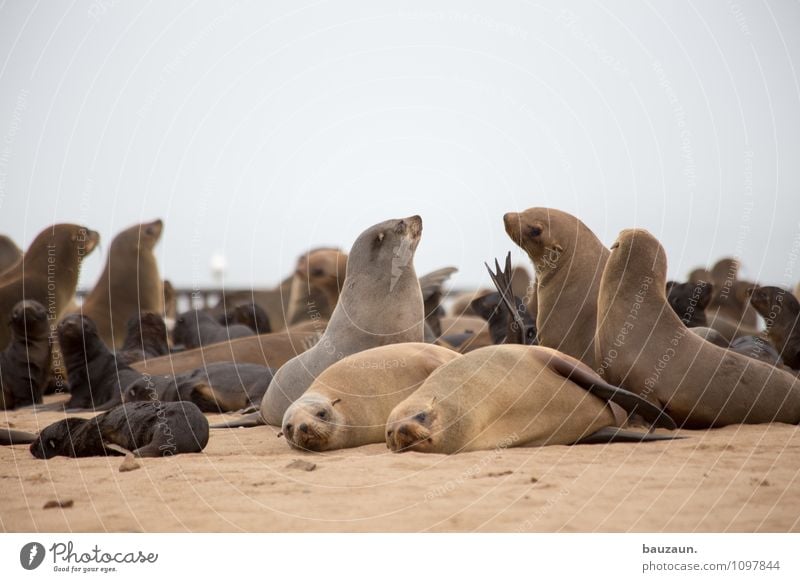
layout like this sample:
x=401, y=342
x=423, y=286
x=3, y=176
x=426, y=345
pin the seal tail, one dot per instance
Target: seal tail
x=15, y=437
x=246, y=421
x=618, y=435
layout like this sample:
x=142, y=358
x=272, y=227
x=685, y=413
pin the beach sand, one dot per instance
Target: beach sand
x=739, y=478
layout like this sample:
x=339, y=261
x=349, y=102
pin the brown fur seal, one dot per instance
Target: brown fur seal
x=569, y=260
x=10, y=253
x=781, y=312
x=348, y=404
x=316, y=285
x=48, y=272
x=96, y=379
x=147, y=337
x=510, y=396
x=251, y=315
x=24, y=364
x=380, y=304
x=711, y=335
x=219, y=387
x=271, y=350
x=197, y=328
x=130, y=283
x=643, y=346
x=146, y=429
x=689, y=301
x=430, y=285
x=757, y=348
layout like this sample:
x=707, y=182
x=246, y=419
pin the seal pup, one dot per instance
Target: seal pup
x=48, y=272
x=568, y=259
x=270, y=349
x=643, y=346
x=781, y=312
x=380, y=304
x=251, y=315
x=144, y=428
x=757, y=348
x=510, y=396
x=147, y=337
x=219, y=387
x=129, y=284
x=94, y=375
x=10, y=253
x=348, y=404
x=197, y=328
x=689, y=301
x=24, y=364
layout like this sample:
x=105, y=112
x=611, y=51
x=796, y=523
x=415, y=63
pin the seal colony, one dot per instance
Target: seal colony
x=597, y=342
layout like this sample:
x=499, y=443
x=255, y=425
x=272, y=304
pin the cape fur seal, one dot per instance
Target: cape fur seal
x=643, y=346
x=10, y=253
x=380, y=304
x=348, y=404
x=510, y=396
x=147, y=337
x=197, y=328
x=95, y=377
x=316, y=284
x=270, y=349
x=689, y=301
x=48, y=272
x=569, y=260
x=781, y=312
x=130, y=283
x=144, y=428
x=219, y=387
x=251, y=315
x=24, y=364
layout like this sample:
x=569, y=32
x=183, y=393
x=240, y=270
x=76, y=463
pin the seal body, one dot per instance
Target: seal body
x=643, y=346
x=316, y=285
x=689, y=301
x=781, y=312
x=502, y=396
x=47, y=273
x=146, y=338
x=250, y=314
x=197, y=328
x=94, y=375
x=381, y=304
x=24, y=364
x=144, y=428
x=348, y=404
x=569, y=260
x=129, y=284
x=219, y=387
x=10, y=253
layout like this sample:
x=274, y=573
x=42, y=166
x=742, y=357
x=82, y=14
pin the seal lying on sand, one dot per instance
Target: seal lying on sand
x=197, y=328
x=219, y=387
x=24, y=364
x=643, y=346
x=143, y=428
x=348, y=404
x=511, y=396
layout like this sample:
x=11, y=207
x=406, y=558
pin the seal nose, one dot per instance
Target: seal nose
x=303, y=428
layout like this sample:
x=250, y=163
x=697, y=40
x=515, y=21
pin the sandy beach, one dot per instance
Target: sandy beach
x=735, y=479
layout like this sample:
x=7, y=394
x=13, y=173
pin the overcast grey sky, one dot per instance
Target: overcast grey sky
x=261, y=129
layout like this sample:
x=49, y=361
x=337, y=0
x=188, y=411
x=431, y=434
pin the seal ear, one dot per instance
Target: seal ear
x=433, y=402
x=335, y=401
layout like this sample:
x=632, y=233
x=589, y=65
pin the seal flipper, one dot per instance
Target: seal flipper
x=629, y=401
x=612, y=434
x=246, y=421
x=15, y=437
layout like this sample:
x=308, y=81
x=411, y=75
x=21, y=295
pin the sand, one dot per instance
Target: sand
x=739, y=478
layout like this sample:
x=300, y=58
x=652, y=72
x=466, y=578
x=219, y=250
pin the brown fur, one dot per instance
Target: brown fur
x=643, y=346
x=316, y=284
x=569, y=260
x=781, y=311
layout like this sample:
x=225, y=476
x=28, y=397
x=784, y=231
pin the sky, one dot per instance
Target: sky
x=257, y=130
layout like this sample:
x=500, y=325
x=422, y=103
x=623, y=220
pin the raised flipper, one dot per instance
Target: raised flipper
x=519, y=332
x=246, y=421
x=15, y=437
x=612, y=434
x=432, y=282
x=632, y=403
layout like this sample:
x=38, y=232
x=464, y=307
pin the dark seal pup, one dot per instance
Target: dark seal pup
x=94, y=375
x=197, y=328
x=689, y=301
x=250, y=314
x=144, y=428
x=781, y=312
x=24, y=364
x=147, y=338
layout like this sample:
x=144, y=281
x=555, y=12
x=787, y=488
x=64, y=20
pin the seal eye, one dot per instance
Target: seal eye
x=421, y=417
x=535, y=231
x=322, y=414
x=317, y=272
